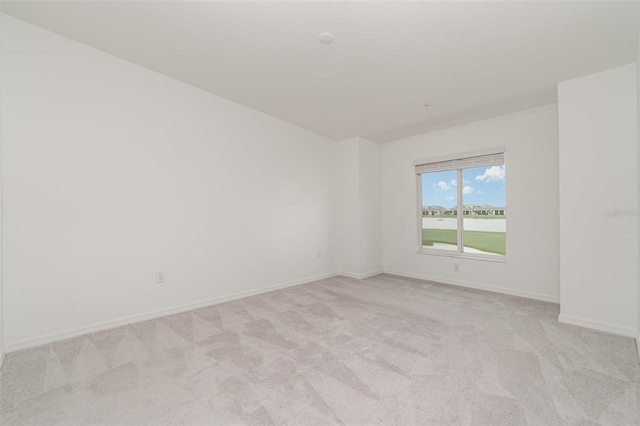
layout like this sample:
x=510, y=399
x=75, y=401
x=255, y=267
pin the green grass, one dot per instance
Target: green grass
x=491, y=242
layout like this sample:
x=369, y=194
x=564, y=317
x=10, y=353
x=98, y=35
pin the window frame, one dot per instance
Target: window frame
x=459, y=253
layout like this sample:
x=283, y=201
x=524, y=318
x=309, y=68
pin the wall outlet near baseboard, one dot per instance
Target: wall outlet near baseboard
x=159, y=277
x=456, y=267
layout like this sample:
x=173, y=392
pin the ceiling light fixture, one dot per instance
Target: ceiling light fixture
x=325, y=38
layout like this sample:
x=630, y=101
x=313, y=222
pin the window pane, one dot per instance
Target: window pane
x=439, y=214
x=484, y=209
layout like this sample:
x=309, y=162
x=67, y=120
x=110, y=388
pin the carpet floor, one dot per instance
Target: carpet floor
x=384, y=350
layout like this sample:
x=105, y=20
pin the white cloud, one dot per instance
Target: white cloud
x=448, y=198
x=454, y=182
x=442, y=185
x=467, y=190
x=492, y=174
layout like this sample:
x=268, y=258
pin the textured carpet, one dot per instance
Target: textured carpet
x=385, y=350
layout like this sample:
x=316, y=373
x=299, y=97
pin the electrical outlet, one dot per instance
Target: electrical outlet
x=159, y=277
x=456, y=267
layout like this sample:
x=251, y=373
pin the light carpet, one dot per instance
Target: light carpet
x=384, y=350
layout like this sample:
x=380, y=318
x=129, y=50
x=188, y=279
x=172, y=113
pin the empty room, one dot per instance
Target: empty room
x=319, y=212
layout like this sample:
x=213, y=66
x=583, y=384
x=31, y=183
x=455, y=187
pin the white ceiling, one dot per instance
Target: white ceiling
x=470, y=60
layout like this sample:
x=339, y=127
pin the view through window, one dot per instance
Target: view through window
x=464, y=205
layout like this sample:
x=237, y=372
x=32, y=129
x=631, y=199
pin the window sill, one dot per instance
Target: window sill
x=472, y=256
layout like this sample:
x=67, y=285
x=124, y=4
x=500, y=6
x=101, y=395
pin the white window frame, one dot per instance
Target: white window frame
x=459, y=253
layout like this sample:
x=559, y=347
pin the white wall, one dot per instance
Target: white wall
x=113, y=172
x=347, y=195
x=2, y=350
x=371, y=205
x=638, y=169
x=358, y=185
x=598, y=172
x=531, y=141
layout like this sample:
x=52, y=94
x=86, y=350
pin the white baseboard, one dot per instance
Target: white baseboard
x=360, y=276
x=502, y=290
x=598, y=325
x=105, y=325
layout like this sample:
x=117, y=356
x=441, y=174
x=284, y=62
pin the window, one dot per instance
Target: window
x=462, y=208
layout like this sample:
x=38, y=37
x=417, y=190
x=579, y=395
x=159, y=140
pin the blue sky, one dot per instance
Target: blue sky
x=482, y=185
